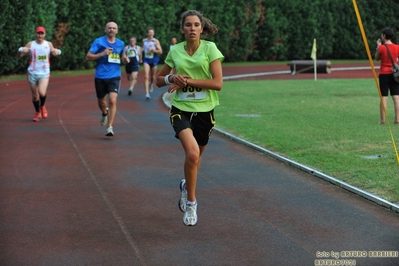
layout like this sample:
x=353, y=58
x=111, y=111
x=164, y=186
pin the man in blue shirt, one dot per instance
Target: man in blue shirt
x=108, y=52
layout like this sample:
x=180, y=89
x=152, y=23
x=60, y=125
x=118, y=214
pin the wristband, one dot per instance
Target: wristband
x=20, y=49
x=59, y=51
x=167, y=82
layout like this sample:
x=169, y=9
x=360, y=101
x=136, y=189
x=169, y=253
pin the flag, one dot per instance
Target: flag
x=314, y=49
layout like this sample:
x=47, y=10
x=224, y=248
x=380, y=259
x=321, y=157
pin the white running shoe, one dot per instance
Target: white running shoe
x=147, y=96
x=109, y=132
x=190, y=215
x=151, y=87
x=183, y=198
x=104, y=119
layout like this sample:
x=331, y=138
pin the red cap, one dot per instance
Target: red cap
x=41, y=29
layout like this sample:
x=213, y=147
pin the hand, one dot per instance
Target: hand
x=56, y=51
x=180, y=80
x=25, y=50
x=378, y=42
x=173, y=88
x=108, y=51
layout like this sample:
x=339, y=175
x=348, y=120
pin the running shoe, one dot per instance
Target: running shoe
x=147, y=96
x=183, y=197
x=151, y=87
x=129, y=92
x=104, y=119
x=37, y=117
x=44, y=112
x=190, y=215
x=109, y=132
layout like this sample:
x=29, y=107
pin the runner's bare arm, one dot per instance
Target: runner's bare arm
x=22, y=51
x=54, y=51
x=158, y=48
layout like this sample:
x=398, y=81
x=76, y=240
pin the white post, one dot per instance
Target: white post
x=315, y=69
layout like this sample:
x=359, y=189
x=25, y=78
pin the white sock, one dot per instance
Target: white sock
x=191, y=203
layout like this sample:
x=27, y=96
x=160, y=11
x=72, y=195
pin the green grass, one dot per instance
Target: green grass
x=330, y=125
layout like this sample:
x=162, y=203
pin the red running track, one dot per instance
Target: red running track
x=71, y=196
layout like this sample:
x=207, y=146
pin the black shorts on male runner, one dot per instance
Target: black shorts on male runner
x=132, y=68
x=105, y=86
x=388, y=83
x=201, y=123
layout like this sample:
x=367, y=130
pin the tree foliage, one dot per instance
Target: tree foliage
x=251, y=30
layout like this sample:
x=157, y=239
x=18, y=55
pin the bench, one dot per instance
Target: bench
x=307, y=66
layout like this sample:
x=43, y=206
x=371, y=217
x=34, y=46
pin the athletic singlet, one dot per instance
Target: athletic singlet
x=39, y=58
x=133, y=54
x=146, y=46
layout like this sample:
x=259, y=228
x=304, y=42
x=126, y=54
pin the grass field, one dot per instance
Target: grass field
x=330, y=125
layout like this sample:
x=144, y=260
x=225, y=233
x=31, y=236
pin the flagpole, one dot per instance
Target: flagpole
x=313, y=55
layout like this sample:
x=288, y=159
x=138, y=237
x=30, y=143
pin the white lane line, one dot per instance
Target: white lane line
x=102, y=192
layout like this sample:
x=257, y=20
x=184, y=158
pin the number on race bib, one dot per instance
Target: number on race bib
x=192, y=93
x=114, y=58
x=41, y=57
x=149, y=55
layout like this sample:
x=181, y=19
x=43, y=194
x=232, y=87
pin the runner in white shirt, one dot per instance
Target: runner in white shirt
x=39, y=70
x=152, y=49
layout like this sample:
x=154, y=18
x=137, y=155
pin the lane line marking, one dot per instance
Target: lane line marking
x=102, y=192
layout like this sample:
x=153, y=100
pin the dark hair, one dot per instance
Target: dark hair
x=207, y=25
x=388, y=32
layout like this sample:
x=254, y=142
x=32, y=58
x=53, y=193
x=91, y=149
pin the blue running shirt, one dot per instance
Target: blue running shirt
x=108, y=67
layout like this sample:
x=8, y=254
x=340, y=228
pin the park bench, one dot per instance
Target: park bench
x=307, y=66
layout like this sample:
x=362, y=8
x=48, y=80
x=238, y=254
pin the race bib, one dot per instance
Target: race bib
x=41, y=57
x=149, y=55
x=114, y=58
x=131, y=53
x=192, y=93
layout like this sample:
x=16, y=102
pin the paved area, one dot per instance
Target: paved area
x=71, y=196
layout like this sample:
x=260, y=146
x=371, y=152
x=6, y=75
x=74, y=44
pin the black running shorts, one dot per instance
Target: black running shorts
x=105, y=86
x=201, y=123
